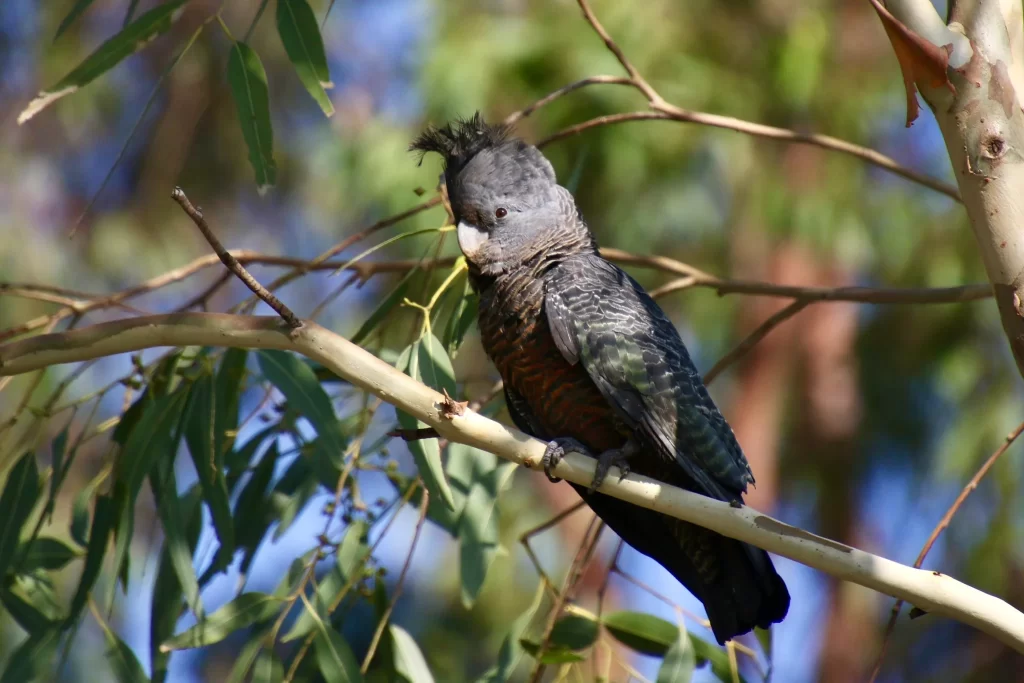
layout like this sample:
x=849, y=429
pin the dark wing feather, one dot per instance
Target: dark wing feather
x=602, y=318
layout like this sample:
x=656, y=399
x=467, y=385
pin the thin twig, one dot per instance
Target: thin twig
x=754, y=337
x=670, y=111
x=579, y=561
x=937, y=531
x=517, y=116
x=232, y=263
x=524, y=539
x=375, y=641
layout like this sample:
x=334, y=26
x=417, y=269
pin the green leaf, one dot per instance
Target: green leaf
x=103, y=519
x=129, y=41
x=707, y=652
x=426, y=452
x=353, y=549
x=248, y=82
x=461, y=319
x=167, y=599
x=334, y=657
x=58, y=450
x=511, y=649
x=435, y=367
x=149, y=441
x=297, y=26
x=644, y=633
x=268, y=668
x=300, y=387
x=245, y=610
x=124, y=529
x=174, y=518
x=33, y=659
x=479, y=531
x=207, y=446
x=80, y=510
x=554, y=654
x=123, y=661
x=389, y=302
x=252, y=510
x=76, y=11
x=46, y=553
x=327, y=590
x=409, y=661
x=680, y=661
x=19, y=497
x=247, y=657
x=33, y=608
x=575, y=632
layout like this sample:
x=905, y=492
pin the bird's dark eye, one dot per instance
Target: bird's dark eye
x=500, y=212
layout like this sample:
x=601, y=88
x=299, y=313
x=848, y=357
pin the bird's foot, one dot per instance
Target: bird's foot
x=615, y=457
x=556, y=450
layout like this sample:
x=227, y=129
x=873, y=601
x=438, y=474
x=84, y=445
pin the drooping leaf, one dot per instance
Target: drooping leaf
x=268, y=668
x=252, y=511
x=575, y=632
x=124, y=529
x=103, y=520
x=80, y=510
x=34, y=659
x=205, y=444
x=300, y=387
x=353, y=549
x=461, y=320
x=45, y=553
x=389, y=302
x=479, y=531
x=297, y=26
x=409, y=660
x=248, y=81
x=642, y=632
x=247, y=657
x=129, y=41
x=150, y=440
x=21, y=491
x=123, y=662
x=435, y=367
x=58, y=450
x=76, y=11
x=174, y=518
x=27, y=609
x=244, y=611
x=680, y=661
x=334, y=657
x=426, y=452
x=327, y=590
x=168, y=597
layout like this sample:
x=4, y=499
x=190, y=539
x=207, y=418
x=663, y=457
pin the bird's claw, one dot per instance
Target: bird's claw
x=616, y=457
x=554, y=453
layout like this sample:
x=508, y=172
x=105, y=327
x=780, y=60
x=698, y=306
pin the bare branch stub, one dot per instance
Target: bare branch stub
x=232, y=263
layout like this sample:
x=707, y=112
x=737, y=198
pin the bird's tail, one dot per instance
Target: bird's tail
x=747, y=592
x=736, y=582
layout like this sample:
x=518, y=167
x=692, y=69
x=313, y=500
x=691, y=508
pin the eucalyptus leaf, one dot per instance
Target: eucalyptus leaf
x=248, y=81
x=297, y=27
x=244, y=611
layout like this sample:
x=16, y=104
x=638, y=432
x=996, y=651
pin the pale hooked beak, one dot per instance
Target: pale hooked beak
x=471, y=239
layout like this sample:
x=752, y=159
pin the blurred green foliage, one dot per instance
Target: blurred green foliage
x=930, y=390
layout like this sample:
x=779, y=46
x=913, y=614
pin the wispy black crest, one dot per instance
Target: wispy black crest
x=460, y=140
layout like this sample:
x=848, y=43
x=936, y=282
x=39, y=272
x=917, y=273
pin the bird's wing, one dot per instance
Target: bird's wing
x=602, y=318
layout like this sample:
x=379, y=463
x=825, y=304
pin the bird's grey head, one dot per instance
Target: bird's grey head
x=504, y=196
